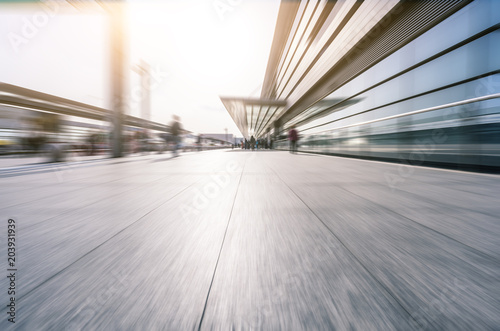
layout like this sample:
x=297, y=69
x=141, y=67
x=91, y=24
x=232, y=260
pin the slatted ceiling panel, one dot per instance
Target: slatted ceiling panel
x=249, y=116
x=244, y=119
x=305, y=21
x=301, y=50
x=335, y=24
x=331, y=10
x=238, y=112
x=269, y=115
x=340, y=10
x=266, y=117
x=274, y=111
x=281, y=39
x=304, y=42
x=256, y=125
x=326, y=9
x=291, y=37
x=278, y=91
x=416, y=17
x=269, y=118
x=319, y=40
x=322, y=60
x=252, y=121
x=289, y=53
x=265, y=111
x=255, y=118
x=395, y=37
x=257, y=121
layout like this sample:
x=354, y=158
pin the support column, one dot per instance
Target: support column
x=119, y=59
x=277, y=129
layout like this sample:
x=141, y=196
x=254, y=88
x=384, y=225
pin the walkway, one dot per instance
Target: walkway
x=235, y=240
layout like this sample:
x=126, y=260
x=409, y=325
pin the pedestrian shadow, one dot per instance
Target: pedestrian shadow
x=249, y=150
x=306, y=154
x=163, y=159
x=120, y=162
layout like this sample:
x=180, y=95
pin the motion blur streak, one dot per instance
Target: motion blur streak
x=311, y=242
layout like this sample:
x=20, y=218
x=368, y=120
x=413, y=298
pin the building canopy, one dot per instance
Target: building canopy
x=253, y=116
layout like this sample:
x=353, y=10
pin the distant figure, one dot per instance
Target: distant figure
x=293, y=136
x=175, y=131
x=92, y=144
x=252, y=142
x=198, y=142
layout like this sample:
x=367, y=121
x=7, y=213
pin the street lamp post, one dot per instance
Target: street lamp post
x=118, y=38
x=118, y=59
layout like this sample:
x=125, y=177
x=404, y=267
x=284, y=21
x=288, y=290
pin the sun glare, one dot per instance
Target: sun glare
x=197, y=45
x=204, y=53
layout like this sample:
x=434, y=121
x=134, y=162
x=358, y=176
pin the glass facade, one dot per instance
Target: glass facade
x=441, y=90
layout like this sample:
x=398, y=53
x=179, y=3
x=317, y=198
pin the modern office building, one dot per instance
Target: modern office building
x=417, y=81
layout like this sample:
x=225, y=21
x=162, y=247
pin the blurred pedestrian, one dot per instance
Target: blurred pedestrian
x=293, y=136
x=252, y=142
x=175, y=131
x=198, y=142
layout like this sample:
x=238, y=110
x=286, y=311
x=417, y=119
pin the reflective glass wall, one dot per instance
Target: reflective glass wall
x=434, y=100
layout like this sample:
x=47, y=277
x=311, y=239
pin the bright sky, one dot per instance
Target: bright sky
x=197, y=49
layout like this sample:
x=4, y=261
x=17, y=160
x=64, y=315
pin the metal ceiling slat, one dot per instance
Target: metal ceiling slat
x=258, y=117
x=248, y=114
x=263, y=119
x=251, y=119
x=401, y=28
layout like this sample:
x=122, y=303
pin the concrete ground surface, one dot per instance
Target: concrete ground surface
x=237, y=240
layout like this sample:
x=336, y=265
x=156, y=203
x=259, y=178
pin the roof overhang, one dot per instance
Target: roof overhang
x=253, y=116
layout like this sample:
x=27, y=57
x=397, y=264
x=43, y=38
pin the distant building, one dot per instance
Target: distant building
x=220, y=137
